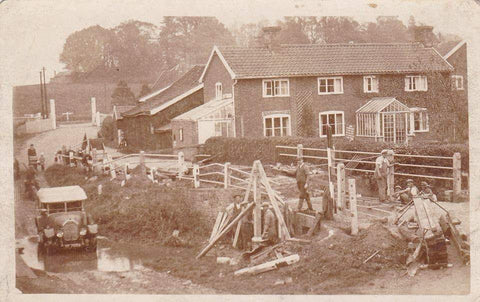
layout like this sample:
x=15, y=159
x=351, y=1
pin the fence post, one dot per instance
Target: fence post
x=143, y=169
x=341, y=186
x=125, y=172
x=94, y=160
x=353, y=205
x=70, y=158
x=257, y=210
x=390, y=175
x=299, y=151
x=196, y=172
x=99, y=189
x=457, y=175
x=226, y=176
x=180, y=163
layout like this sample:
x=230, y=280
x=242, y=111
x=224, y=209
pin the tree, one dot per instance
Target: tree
x=189, y=40
x=122, y=95
x=88, y=50
x=386, y=30
x=144, y=91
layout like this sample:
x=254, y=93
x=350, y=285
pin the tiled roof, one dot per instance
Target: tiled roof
x=331, y=59
x=187, y=82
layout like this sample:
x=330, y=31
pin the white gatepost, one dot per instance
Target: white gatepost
x=196, y=172
x=53, y=115
x=226, y=176
x=390, y=175
x=93, y=102
x=70, y=157
x=457, y=176
x=98, y=121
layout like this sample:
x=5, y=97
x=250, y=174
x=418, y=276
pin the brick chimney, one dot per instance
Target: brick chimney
x=269, y=37
x=424, y=34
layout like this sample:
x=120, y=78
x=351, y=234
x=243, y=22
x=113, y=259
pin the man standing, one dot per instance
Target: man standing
x=381, y=174
x=302, y=177
x=427, y=192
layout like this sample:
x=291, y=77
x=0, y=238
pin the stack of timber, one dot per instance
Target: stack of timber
x=433, y=237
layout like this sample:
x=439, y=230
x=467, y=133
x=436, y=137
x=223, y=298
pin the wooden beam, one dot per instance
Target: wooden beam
x=237, y=234
x=314, y=226
x=225, y=230
x=273, y=201
x=268, y=266
x=215, y=226
x=353, y=205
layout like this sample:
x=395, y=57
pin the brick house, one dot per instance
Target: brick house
x=299, y=89
x=147, y=125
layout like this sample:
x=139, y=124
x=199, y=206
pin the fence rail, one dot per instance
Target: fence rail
x=455, y=167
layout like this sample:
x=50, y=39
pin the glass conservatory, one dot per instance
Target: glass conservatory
x=385, y=119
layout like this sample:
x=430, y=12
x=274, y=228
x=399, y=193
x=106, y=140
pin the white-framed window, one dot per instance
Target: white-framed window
x=335, y=119
x=370, y=84
x=276, y=125
x=180, y=134
x=416, y=83
x=457, y=82
x=218, y=91
x=332, y=85
x=420, y=119
x=272, y=88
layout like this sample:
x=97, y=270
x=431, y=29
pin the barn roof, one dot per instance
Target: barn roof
x=329, y=59
x=180, y=89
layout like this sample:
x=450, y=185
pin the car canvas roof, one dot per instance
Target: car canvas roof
x=61, y=194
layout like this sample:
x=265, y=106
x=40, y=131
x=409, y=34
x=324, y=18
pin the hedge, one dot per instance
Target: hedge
x=244, y=151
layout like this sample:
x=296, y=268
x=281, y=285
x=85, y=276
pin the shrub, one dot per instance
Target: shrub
x=106, y=131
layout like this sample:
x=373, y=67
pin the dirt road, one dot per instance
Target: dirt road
x=107, y=271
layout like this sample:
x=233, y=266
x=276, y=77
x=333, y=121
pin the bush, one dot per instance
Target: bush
x=106, y=131
x=138, y=211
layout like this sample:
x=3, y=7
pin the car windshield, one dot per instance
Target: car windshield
x=65, y=207
x=74, y=206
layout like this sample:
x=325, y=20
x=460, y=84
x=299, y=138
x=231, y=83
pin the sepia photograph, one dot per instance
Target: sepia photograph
x=161, y=148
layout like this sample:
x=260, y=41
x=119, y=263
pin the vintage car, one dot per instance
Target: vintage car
x=62, y=221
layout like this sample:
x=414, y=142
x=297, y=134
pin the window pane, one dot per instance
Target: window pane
x=323, y=85
x=276, y=122
x=338, y=85
x=416, y=121
x=331, y=119
x=268, y=132
x=330, y=84
x=268, y=88
x=278, y=131
x=268, y=123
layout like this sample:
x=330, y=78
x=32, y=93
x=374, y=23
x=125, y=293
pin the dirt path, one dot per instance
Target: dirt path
x=85, y=278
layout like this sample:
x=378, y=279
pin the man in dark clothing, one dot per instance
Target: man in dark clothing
x=32, y=156
x=302, y=177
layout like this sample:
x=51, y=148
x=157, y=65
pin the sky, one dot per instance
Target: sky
x=33, y=32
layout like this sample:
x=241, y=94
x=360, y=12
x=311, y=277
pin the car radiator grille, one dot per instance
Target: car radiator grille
x=70, y=231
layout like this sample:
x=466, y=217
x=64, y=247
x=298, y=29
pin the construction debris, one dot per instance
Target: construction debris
x=268, y=266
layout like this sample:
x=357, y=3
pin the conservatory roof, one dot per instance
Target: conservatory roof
x=203, y=110
x=379, y=104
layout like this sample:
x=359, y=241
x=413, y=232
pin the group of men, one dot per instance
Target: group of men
x=63, y=156
x=382, y=166
x=33, y=160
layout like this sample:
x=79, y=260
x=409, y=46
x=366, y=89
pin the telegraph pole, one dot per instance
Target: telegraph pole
x=41, y=96
x=45, y=94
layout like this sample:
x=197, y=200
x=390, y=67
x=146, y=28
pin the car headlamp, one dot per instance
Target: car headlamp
x=83, y=232
x=60, y=234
